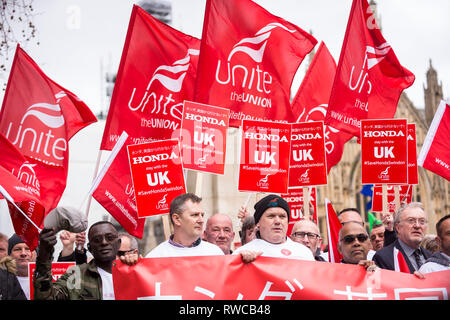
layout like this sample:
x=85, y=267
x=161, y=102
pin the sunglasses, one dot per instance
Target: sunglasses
x=351, y=238
x=122, y=253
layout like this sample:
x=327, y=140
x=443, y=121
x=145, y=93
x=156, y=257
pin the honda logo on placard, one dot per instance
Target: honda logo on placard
x=40, y=134
x=171, y=78
x=251, y=83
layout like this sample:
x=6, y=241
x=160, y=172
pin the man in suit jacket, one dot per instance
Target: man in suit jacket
x=405, y=254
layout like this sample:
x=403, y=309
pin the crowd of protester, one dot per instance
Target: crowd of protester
x=262, y=233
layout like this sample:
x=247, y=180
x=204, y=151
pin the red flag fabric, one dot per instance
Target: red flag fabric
x=311, y=102
x=23, y=196
x=435, y=152
x=156, y=74
x=369, y=78
x=115, y=191
x=228, y=278
x=333, y=228
x=39, y=117
x=400, y=264
x=239, y=65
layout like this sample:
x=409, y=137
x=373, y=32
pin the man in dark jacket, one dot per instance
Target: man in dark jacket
x=10, y=288
x=91, y=280
x=410, y=223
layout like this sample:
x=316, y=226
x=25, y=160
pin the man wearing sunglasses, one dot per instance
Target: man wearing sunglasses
x=307, y=233
x=89, y=281
x=128, y=245
x=405, y=254
x=354, y=245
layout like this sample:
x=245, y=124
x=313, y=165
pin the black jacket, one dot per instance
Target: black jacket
x=384, y=258
x=10, y=288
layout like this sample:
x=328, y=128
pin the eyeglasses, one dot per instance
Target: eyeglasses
x=121, y=253
x=351, y=238
x=108, y=237
x=301, y=235
x=412, y=221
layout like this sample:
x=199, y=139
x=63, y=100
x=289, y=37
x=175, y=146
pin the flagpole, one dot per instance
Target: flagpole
x=11, y=200
x=306, y=202
x=99, y=156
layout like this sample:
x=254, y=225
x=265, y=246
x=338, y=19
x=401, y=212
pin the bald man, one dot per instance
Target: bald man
x=354, y=244
x=219, y=231
x=307, y=233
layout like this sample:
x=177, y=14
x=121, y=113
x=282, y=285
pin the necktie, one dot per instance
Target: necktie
x=417, y=257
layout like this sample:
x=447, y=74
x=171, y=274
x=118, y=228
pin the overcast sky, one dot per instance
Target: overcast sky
x=77, y=36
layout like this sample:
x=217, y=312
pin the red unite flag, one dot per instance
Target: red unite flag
x=311, y=102
x=22, y=201
x=435, y=152
x=113, y=189
x=265, y=154
x=369, y=78
x=333, y=227
x=156, y=74
x=239, y=65
x=40, y=117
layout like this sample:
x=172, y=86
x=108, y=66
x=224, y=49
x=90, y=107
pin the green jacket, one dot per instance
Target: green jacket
x=80, y=282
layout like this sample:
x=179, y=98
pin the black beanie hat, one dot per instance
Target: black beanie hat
x=15, y=239
x=270, y=201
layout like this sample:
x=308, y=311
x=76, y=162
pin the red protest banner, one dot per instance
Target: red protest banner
x=405, y=194
x=413, y=176
x=265, y=153
x=204, y=137
x=384, y=156
x=157, y=175
x=228, y=278
x=58, y=269
x=296, y=200
x=308, y=165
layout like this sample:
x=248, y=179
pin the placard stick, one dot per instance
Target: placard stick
x=385, y=198
x=166, y=225
x=306, y=202
x=397, y=197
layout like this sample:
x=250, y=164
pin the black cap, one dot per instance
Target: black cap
x=15, y=239
x=270, y=201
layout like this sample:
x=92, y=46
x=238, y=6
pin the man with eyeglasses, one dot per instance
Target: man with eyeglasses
x=354, y=245
x=91, y=281
x=307, y=233
x=410, y=223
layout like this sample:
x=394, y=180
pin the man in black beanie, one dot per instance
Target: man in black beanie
x=271, y=220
